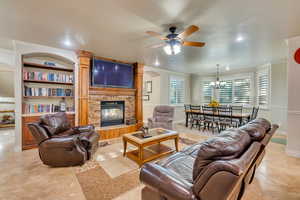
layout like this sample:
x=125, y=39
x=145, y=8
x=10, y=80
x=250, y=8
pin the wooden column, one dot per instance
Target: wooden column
x=83, y=85
x=139, y=70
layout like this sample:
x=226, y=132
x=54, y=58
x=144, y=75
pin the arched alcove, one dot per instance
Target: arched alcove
x=49, y=55
x=47, y=80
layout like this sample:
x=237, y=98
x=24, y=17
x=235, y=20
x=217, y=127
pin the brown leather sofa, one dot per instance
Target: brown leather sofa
x=219, y=168
x=59, y=144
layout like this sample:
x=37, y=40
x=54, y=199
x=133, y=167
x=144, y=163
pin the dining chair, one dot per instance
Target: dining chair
x=237, y=110
x=196, y=118
x=209, y=116
x=254, y=113
x=224, y=118
x=223, y=106
x=187, y=107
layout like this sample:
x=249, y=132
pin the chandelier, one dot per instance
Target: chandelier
x=218, y=84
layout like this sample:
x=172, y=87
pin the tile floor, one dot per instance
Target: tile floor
x=7, y=142
x=23, y=176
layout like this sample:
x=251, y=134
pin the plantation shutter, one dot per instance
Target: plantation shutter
x=207, y=92
x=263, y=88
x=225, y=94
x=242, y=91
x=176, y=90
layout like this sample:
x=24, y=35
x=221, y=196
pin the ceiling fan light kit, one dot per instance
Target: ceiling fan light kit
x=173, y=47
x=174, y=41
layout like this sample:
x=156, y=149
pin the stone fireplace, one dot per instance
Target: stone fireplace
x=90, y=98
x=112, y=113
x=95, y=110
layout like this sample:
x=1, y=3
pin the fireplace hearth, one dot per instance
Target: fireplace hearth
x=112, y=113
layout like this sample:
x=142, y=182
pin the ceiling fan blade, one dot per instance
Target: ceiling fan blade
x=193, y=44
x=158, y=35
x=187, y=32
x=157, y=45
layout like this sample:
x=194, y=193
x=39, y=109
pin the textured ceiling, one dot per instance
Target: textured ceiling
x=116, y=28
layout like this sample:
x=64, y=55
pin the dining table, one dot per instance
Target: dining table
x=239, y=116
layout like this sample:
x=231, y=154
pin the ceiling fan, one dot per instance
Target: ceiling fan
x=173, y=41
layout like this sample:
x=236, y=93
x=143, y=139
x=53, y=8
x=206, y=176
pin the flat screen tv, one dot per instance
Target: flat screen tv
x=112, y=74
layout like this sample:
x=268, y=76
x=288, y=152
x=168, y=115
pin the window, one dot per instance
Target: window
x=207, y=92
x=242, y=91
x=225, y=94
x=237, y=90
x=176, y=90
x=263, y=87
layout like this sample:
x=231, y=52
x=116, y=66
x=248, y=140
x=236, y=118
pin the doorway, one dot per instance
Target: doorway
x=7, y=111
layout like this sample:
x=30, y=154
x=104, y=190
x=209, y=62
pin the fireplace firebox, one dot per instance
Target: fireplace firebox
x=112, y=113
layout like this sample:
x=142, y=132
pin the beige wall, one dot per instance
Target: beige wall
x=278, y=107
x=293, y=118
x=7, y=93
x=160, y=91
x=7, y=83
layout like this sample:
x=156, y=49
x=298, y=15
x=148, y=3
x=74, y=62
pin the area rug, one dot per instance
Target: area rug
x=96, y=184
x=186, y=141
x=98, y=181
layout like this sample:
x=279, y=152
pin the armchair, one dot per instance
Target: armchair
x=59, y=144
x=162, y=117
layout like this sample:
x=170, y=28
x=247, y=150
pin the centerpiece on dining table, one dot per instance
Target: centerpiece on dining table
x=214, y=104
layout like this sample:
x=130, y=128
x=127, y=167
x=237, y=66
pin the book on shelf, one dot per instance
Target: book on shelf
x=44, y=108
x=37, y=91
x=47, y=76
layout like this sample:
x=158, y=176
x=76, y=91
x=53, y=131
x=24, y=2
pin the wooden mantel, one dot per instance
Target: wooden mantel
x=85, y=89
x=112, y=91
x=83, y=85
x=138, y=82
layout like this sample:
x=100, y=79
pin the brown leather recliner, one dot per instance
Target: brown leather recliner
x=162, y=117
x=59, y=144
x=217, y=169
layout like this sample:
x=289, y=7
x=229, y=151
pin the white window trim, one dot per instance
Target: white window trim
x=262, y=69
x=178, y=77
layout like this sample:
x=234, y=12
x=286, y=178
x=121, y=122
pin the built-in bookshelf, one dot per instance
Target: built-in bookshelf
x=46, y=81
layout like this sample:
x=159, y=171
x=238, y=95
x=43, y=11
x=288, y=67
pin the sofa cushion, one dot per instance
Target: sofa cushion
x=230, y=144
x=263, y=123
x=257, y=128
x=163, y=111
x=163, y=119
x=179, y=163
x=55, y=123
x=255, y=131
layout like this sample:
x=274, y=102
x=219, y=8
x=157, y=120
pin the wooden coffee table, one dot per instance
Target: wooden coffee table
x=149, y=148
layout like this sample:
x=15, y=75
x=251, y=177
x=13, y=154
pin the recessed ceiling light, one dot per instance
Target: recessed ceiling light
x=156, y=62
x=67, y=42
x=240, y=38
x=227, y=68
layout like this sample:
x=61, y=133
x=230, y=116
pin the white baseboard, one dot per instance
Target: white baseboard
x=175, y=122
x=293, y=153
x=179, y=121
x=281, y=132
